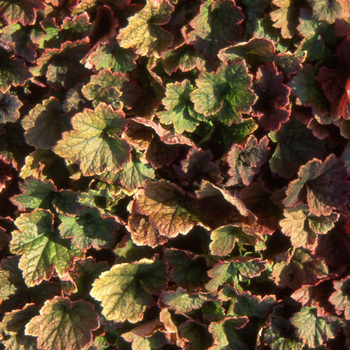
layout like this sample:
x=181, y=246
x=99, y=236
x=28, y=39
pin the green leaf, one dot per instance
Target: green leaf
x=112, y=56
x=243, y=267
x=45, y=123
x=12, y=329
x=216, y=26
x=179, y=108
x=312, y=329
x=225, y=93
x=296, y=145
x=225, y=334
x=197, y=336
x=63, y=325
x=125, y=290
x=9, y=108
x=165, y=205
x=308, y=90
x=42, y=251
x=225, y=237
x=326, y=10
x=143, y=33
x=88, y=229
x=324, y=183
x=182, y=302
x=94, y=143
x=35, y=194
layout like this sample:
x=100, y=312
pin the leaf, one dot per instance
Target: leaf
x=11, y=280
x=45, y=123
x=225, y=334
x=179, y=108
x=296, y=145
x=324, y=184
x=42, y=251
x=18, y=11
x=35, y=194
x=93, y=142
x=9, y=108
x=183, y=302
x=142, y=232
x=273, y=98
x=312, y=329
x=340, y=298
x=185, y=270
x=303, y=228
x=245, y=161
x=225, y=93
x=225, y=237
x=143, y=33
x=132, y=286
x=12, y=329
x=285, y=17
x=166, y=207
x=196, y=335
x=325, y=10
x=300, y=268
x=305, y=87
x=63, y=324
x=88, y=229
x=12, y=70
x=216, y=26
x=106, y=87
x=112, y=56
x=225, y=271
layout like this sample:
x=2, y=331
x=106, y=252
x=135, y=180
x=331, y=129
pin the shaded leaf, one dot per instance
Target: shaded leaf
x=94, y=143
x=196, y=335
x=133, y=285
x=295, y=146
x=246, y=304
x=63, y=324
x=9, y=108
x=324, y=184
x=216, y=26
x=12, y=329
x=245, y=161
x=18, y=10
x=225, y=93
x=42, y=251
x=45, y=124
x=273, y=98
x=143, y=33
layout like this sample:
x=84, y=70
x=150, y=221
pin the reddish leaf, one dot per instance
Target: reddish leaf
x=273, y=98
x=22, y=11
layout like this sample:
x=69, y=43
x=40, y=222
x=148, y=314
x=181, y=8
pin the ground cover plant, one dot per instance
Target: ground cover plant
x=174, y=174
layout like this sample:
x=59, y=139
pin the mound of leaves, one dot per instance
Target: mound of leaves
x=174, y=174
